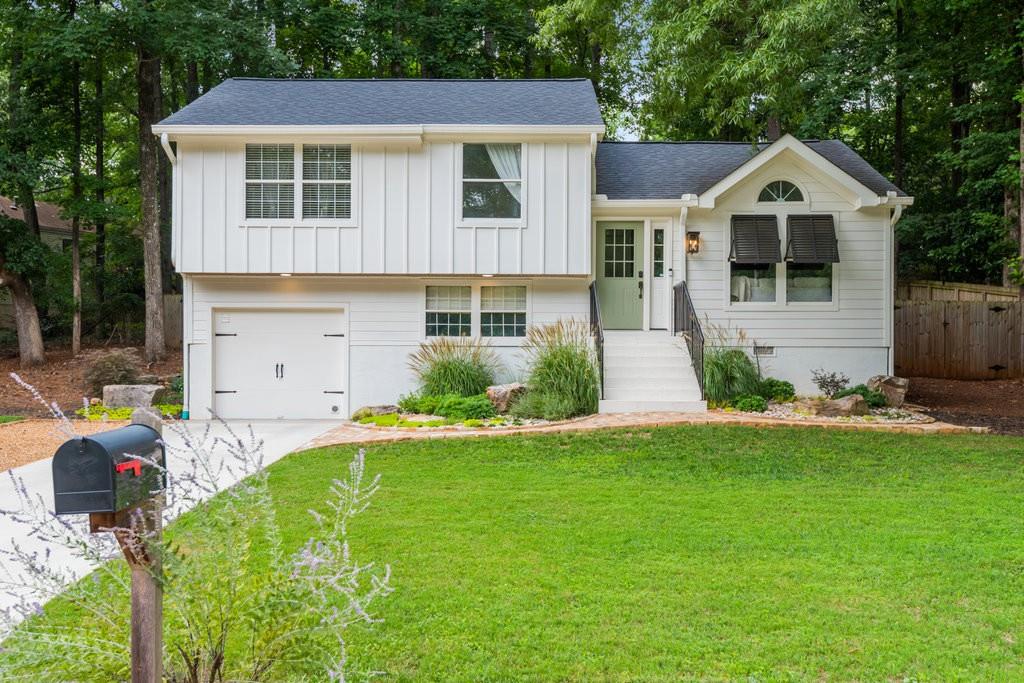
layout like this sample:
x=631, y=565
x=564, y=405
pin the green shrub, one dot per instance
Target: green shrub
x=875, y=399
x=451, y=406
x=751, y=404
x=563, y=378
x=454, y=366
x=777, y=390
x=113, y=367
x=729, y=374
x=101, y=412
x=176, y=390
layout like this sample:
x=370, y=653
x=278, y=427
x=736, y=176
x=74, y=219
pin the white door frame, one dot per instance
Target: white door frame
x=648, y=261
x=338, y=307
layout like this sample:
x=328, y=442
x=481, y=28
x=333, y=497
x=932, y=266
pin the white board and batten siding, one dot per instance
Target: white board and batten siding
x=852, y=334
x=406, y=215
x=383, y=319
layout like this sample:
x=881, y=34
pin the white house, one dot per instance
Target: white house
x=325, y=228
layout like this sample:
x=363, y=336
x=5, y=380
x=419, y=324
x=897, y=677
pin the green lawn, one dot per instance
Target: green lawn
x=690, y=552
x=10, y=418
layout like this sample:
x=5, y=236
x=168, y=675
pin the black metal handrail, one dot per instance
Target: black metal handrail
x=597, y=331
x=686, y=322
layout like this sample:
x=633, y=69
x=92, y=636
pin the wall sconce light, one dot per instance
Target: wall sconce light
x=693, y=243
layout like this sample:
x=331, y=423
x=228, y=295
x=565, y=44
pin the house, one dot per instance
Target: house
x=325, y=228
x=54, y=232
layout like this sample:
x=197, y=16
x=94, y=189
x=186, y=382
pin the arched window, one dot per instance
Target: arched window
x=780, y=191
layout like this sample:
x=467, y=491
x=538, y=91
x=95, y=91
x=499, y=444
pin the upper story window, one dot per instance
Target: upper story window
x=326, y=181
x=492, y=183
x=269, y=181
x=780, y=191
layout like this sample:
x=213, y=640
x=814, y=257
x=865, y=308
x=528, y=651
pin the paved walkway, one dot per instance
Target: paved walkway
x=350, y=432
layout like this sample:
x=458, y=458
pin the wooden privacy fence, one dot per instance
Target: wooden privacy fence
x=959, y=339
x=934, y=290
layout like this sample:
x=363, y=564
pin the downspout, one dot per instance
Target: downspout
x=897, y=213
x=165, y=142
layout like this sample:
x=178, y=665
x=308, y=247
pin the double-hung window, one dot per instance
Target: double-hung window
x=503, y=311
x=326, y=181
x=449, y=311
x=492, y=180
x=269, y=181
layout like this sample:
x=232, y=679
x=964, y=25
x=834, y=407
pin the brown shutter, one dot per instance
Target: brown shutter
x=812, y=239
x=755, y=240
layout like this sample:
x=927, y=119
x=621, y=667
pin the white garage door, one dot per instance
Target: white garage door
x=285, y=363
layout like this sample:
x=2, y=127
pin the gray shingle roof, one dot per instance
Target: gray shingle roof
x=668, y=170
x=343, y=102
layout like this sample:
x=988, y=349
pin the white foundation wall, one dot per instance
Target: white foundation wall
x=852, y=334
x=386, y=321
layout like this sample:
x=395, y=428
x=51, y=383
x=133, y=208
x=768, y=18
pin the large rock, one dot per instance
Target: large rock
x=373, y=411
x=894, y=388
x=132, y=395
x=502, y=396
x=844, y=407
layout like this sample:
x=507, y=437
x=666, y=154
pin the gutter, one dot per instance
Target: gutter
x=165, y=142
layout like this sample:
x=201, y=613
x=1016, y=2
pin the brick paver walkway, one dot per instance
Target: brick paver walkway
x=355, y=433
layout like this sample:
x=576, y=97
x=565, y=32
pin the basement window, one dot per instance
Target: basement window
x=269, y=181
x=503, y=311
x=449, y=311
x=326, y=181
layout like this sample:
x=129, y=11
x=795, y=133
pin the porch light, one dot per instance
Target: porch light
x=693, y=243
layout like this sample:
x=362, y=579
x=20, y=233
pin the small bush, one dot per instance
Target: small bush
x=466, y=408
x=776, y=390
x=101, y=412
x=563, y=378
x=176, y=390
x=729, y=374
x=113, y=367
x=829, y=383
x=465, y=367
x=750, y=404
x=875, y=399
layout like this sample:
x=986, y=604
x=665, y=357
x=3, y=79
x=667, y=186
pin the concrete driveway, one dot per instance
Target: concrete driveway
x=279, y=437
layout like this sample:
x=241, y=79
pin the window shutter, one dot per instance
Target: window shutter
x=755, y=240
x=812, y=239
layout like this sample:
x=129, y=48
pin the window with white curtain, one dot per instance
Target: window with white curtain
x=492, y=182
x=269, y=181
x=503, y=311
x=449, y=311
x=326, y=181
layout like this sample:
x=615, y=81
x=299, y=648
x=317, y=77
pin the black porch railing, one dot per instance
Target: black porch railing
x=685, y=321
x=597, y=330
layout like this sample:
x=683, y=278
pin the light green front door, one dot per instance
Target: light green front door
x=619, y=275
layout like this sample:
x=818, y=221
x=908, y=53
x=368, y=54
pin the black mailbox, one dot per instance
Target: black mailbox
x=108, y=472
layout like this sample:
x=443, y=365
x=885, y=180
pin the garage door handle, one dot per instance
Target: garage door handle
x=282, y=370
x=333, y=392
x=226, y=392
x=334, y=335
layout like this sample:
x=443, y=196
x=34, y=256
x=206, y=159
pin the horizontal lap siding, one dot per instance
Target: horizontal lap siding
x=860, y=320
x=407, y=201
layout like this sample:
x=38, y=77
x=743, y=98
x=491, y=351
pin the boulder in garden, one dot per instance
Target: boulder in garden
x=894, y=388
x=133, y=395
x=502, y=396
x=846, y=406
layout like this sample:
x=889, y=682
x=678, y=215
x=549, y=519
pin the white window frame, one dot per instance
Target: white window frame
x=303, y=182
x=464, y=222
x=524, y=310
x=781, y=210
x=297, y=219
x=475, y=285
x=427, y=311
x=266, y=181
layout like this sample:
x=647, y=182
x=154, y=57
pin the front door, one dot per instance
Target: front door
x=620, y=275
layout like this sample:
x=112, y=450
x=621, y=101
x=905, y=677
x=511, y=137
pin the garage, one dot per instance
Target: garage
x=280, y=363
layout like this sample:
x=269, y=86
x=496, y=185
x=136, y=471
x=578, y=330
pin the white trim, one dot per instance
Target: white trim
x=475, y=283
x=383, y=133
x=491, y=222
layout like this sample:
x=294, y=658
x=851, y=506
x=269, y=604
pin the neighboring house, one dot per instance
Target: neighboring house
x=54, y=231
x=325, y=228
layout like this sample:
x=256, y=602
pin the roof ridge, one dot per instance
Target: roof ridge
x=409, y=80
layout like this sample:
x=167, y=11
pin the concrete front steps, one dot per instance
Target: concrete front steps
x=648, y=372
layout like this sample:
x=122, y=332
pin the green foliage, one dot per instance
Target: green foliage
x=750, y=404
x=729, y=374
x=829, y=383
x=462, y=366
x=563, y=377
x=956, y=246
x=112, y=367
x=777, y=390
x=176, y=390
x=451, y=406
x=875, y=399
x=10, y=418
x=101, y=412
x=396, y=420
x=1015, y=270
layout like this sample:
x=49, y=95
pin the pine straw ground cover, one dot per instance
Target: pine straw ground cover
x=706, y=552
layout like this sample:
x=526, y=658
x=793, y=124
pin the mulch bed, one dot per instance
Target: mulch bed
x=30, y=440
x=61, y=379
x=996, y=404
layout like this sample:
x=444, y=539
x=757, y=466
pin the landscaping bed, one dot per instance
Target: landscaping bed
x=32, y=439
x=705, y=553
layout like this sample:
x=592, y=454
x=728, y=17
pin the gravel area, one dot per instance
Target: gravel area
x=789, y=411
x=29, y=440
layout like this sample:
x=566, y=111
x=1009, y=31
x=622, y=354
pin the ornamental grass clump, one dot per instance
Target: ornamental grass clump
x=729, y=374
x=563, y=378
x=461, y=366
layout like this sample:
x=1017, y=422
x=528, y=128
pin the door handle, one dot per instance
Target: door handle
x=282, y=370
x=640, y=286
x=278, y=370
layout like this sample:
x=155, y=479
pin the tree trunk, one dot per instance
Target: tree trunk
x=899, y=125
x=191, y=81
x=959, y=127
x=26, y=317
x=596, y=56
x=76, y=197
x=101, y=223
x=148, y=83
x=1020, y=194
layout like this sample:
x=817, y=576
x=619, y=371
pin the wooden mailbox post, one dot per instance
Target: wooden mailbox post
x=116, y=478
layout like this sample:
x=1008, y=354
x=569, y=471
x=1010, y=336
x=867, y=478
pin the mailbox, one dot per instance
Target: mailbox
x=108, y=472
